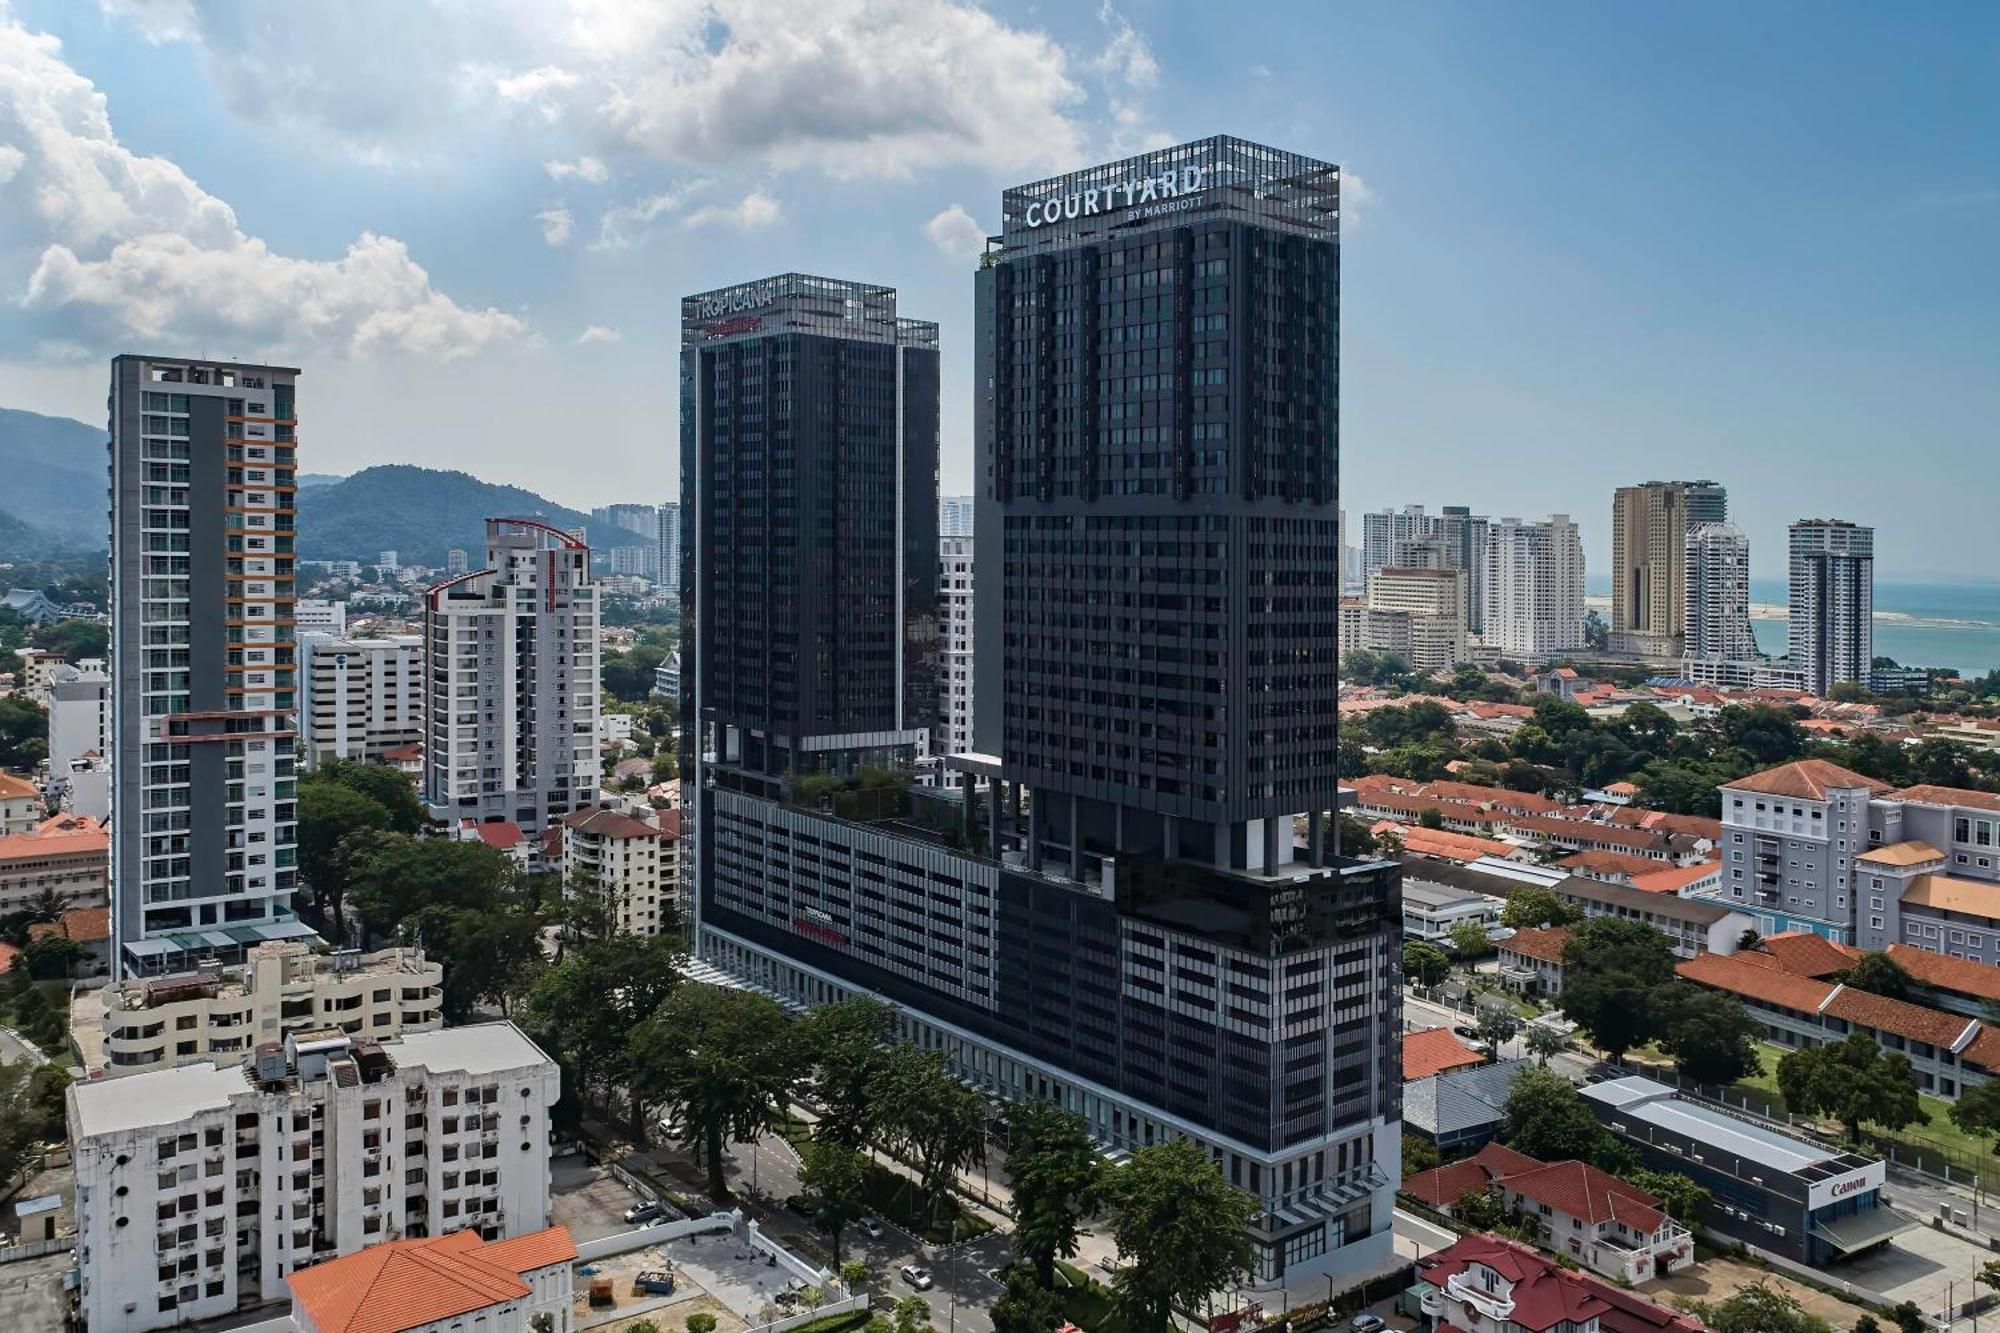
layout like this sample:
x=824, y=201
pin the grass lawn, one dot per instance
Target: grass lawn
x=835, y=1323
x=1087, y=1304
x=1940, y=1133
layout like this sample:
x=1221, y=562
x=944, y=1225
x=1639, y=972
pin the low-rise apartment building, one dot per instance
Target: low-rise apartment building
x=67, y=855
x=20, y=805
x=633, y=863
x=200, y=1189
x=458, y=1283
x=224, y=1014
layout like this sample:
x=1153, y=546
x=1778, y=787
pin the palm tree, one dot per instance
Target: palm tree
x=48, y=905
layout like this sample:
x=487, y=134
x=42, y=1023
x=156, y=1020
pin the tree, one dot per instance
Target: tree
x=1612, y=966
x=1057, y=1182
x=1431, y=818
x=1419, y=1155
x=835, y=1180
x=1544, y=1041
x=1479, y=1209
x=1908, y=1317
x=1025, y=1306
x=699, y=1322
x=848, y=1043
x=911, y=1314
x=721, y=1061
x=1977, y=1110
x=329, y=811
x=489, y=955
x=1683, y=1199
x=1470, y=940
x=852, y=1274
x=586, y=1007
x=1989, y=1274
x=388, y=787
x=1852, y=1081
x=935, y=1119
x=74, y=639
x=52, y=956
x=1496, y=1026
x=1867, y=1324
x=393, y=876
x=1546, y=1118
x=1761, y=1308
x=1180, y=1225
x=24, y=730
x=1708, y=1033
x=1534, y=906
x=1424, y=964
x=1879, y=974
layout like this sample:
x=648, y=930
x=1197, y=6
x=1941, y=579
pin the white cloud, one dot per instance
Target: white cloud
x=156, y=20
x=558, y=224
x=755, y=209
x=597, y=333
x=128, y=246
x=1128, y=70
x=955, y=233
x=587, y=169
x=853, y=88
x=623, y=224
x=1128, y=57
x=1355, y=196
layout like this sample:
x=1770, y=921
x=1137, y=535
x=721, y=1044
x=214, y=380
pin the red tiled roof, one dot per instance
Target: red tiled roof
x=1805, y=779
x=1673, y=879
x=405, y=1284
x=1950, y=893
x=1930, y=794
x=1601, y=862
x=1546, y=1294
x=501, y=834
x=1980, y=980
x=1434, y=1050
x=85, y=925
x=1756, y=980
x=1911, y=1021
x=670, y=822
x=1441, y=844
x=1589, y=831
x=8, y=953
x=608, y=823
x=1804, y=954
x=401, y=753
x=1543, y=943
x=61, y=835
x=1589, y=1195
x=1443, y=1186
x=14, y=789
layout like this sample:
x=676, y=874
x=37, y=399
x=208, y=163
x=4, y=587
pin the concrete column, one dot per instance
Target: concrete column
x=1170, y=836
x=1277, y=841
x=1075, y=838
x=1036, y=828
x=993, y=815
x=1316, y=838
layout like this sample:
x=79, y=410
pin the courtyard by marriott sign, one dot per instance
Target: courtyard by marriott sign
x=1167, y=191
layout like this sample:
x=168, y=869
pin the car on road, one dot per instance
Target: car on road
x=652, y=1210
x=869, y=1227
x=1366, y=1323
x=920, y=1278
x=1467, y=1031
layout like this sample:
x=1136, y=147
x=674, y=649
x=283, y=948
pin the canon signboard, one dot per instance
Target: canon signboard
x=1869, y=1177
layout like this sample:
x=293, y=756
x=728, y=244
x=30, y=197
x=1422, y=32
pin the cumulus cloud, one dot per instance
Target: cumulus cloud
x=755, y=209
x=955, y=233
x=853, y=88
x=1129, y=71
x=623, y=224
x=597, y=333
x=587, y=169
x=128, y=246
x=156, y=20
x=558, y=224
x=1355, y=196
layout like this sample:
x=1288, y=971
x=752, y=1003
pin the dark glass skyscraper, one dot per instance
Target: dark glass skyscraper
x=1142, y=919
x=809, y=439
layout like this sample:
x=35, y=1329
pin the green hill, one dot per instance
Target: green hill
x=420, y=513
x=53, y=477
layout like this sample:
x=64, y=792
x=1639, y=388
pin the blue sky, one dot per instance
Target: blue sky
x=1591, y=244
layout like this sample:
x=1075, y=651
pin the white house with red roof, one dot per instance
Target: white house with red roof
x=1483, y=1284
x=455, y=1283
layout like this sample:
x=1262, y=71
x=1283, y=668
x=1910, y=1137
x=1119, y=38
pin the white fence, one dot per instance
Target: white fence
x=35, y=1249
x=639, y=1238
x=792, y=1264
x=845, y=1306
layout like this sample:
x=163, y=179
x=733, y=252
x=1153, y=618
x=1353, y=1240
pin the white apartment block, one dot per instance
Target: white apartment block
x=316, y=615
x=511, y=682
x=955, y=515
x=635, y=864
x=955, y=664
x=200, y=1189
x=205, y=689
x=21, y=808
x=1718, y=595
x=223, y=1013
x=1534, y=588
x=358, y=697
x=79, y=715
x=1434, y=600
x=1365, y=630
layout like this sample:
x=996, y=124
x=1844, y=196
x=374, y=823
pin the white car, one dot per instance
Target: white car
x=870, y=1228
x=920, y=1278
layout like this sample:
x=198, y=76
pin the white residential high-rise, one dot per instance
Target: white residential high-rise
x=955, y=515
x=198, y=1189
x=1832, y=601
x=955, y=664
x=358, y=697
x=640, y=518
x=511, y=681
x=316, y=615
x=1386, y=533
x=670, y=547
x=1718, y=595
x=204, y=831
x=1534, y=587
x=79, y=715
x=456, y=561
x=1463, y=536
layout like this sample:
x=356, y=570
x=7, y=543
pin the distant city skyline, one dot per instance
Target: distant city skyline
x=1549, y=313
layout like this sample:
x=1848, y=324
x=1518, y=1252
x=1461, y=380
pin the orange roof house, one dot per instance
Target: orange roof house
x=1434, y=1050
x=407, y=1284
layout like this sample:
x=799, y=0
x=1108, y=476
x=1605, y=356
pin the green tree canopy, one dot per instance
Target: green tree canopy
x=721, y=1061
x=1546, y=1118
x=1057, y=1183
x=849, y=1044
x=935, y=1119
x=1761, y=1308
x=1535, y=906
x=1852, y=1081
x=1710, y=1035
x=1878, y=974
x=1424, y=964
x=1612, y=967
x=1180, y=1227
x=1470, y=940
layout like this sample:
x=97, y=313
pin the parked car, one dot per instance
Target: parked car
x=1467, y=1031
x=652, y=1210
x=869, y=1227
x=1366, y=1323
x=653, y=1282
x=920, y=1278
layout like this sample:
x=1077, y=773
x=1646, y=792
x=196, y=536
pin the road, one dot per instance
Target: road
x=1422, y=1013
x=13, y=1050
x=768, y=1171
